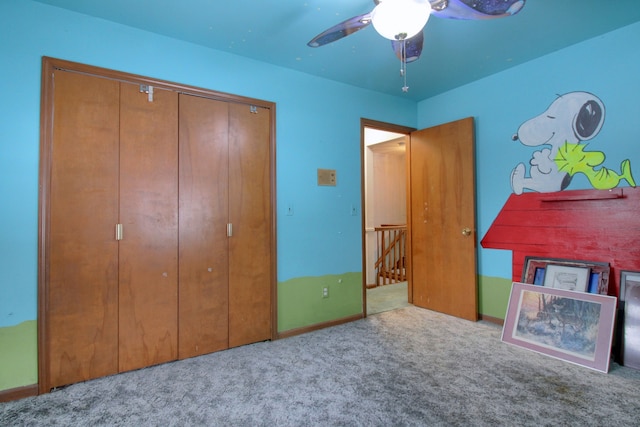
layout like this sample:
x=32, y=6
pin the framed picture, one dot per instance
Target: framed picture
x=628, y=279
x=629, y=320
x=566, y=277
x=573, y=326
x=534, y=272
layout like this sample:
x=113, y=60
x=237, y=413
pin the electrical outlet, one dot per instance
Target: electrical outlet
x=325, y=292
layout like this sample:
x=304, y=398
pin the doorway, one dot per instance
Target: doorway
x=439, y=257
x=384, y=185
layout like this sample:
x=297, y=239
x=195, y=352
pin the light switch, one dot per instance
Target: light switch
x=327, y=177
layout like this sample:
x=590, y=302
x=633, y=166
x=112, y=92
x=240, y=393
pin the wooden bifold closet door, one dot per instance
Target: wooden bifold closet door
x=204, y=200
x=249, y=208
x=156, y=226
x=224, y=173
x=82, y=275
x=148, y=273
x=113, y=303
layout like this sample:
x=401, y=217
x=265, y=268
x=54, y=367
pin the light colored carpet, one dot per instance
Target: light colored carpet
x=387, y=297
x=406, y=367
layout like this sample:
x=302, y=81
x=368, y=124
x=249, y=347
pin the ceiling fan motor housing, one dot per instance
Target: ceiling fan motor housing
x=400, y=19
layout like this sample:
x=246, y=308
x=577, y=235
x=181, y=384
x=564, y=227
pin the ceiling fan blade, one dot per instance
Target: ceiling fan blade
x=413, y=47
x=475, y=9
x=341, y=30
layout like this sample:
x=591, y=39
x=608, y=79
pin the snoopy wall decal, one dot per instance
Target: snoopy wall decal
x=562, y=130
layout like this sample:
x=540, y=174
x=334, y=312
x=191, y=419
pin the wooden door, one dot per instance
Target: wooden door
x=149, y=214
x=250, y=246
x=81, y=260
x=442, y=219
x=204, y=211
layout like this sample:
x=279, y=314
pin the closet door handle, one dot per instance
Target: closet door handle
x=119, y=232
x=229, y=230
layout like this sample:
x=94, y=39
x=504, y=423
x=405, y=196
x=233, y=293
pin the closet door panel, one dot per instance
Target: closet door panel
x=250, y=213
x=203, y=256
x=149, y=214
x=82, y=276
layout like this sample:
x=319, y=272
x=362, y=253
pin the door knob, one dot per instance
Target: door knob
x=466, y=231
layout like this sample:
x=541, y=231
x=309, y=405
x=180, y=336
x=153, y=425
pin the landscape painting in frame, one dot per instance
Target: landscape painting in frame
x=573, y=326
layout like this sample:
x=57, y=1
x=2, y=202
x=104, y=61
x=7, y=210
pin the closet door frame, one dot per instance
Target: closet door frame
x=49, y=65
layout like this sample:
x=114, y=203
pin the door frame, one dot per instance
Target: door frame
x=388, y=127
x=49, y=65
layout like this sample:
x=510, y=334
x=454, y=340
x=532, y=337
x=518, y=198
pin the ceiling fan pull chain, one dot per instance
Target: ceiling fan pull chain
x=403, y=65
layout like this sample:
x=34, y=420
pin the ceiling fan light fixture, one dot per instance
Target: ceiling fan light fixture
x=400, y=19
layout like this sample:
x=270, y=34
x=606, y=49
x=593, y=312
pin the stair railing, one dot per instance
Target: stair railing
x=391, y=250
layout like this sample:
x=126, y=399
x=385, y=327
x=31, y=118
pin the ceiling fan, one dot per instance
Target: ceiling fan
x=402, y=21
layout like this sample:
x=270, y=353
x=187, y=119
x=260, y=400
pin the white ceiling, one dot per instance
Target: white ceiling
x=455, y=52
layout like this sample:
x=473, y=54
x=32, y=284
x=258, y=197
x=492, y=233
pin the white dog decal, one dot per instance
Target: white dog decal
x=569, y=121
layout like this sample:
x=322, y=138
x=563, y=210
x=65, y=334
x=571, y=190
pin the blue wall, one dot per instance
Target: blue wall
x=318, y=126
x=607, y=66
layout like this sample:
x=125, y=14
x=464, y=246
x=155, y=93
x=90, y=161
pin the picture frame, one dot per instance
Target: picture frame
x=576, y=327
x=533, y=272
x=566, y=277
x=628, y=279
x=629, y=319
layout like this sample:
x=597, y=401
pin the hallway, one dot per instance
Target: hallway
x=386, y=298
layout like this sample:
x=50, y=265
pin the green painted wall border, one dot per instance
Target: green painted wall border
x=19, y=355
x=493, y=296
x=300, y=301
x=300, y=304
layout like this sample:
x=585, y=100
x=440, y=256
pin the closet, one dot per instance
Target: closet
x=157, y=227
